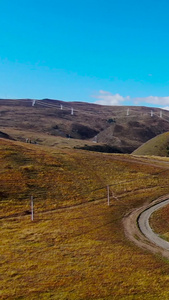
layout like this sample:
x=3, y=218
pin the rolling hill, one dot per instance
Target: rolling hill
x=158, y=146
x=89, y=126
x=76, y=248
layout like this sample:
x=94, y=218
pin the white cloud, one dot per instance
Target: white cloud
x=107, y=98
x=166, y=107
x=154, y=100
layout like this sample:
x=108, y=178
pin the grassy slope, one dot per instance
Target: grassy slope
x=75, y=251
x=156, y=146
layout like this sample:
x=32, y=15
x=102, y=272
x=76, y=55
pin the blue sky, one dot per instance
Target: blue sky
x=108, y=52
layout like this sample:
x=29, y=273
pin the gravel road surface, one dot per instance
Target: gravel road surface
x=143, y=222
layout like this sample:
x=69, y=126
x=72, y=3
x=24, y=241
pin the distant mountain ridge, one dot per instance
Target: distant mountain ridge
x=124, y=128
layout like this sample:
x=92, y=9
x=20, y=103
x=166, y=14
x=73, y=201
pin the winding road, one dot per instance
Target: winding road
x=143, y=223
x=137, y=228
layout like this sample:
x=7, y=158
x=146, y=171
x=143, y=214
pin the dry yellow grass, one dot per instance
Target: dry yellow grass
x=75, y=248
x=155, y=146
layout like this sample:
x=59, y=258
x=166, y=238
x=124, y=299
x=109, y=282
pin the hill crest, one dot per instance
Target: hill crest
x=121, y=127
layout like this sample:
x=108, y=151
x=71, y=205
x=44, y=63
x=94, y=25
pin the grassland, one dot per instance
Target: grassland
x=158, y=146
x=76, y=248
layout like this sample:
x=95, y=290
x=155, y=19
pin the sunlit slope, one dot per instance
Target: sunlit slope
x=158, y=146
x=76, y=247
x=61, y=177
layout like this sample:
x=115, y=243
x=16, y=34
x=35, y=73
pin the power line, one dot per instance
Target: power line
x=122, y=112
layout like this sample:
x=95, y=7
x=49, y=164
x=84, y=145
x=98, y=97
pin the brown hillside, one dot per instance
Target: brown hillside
x=120, y=127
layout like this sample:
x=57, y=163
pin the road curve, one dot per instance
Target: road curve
x=144, y=226
x=137, y=229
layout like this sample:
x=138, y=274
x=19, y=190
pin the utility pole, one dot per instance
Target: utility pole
x=33, y=102
x=32, y=208
x=108, y=195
